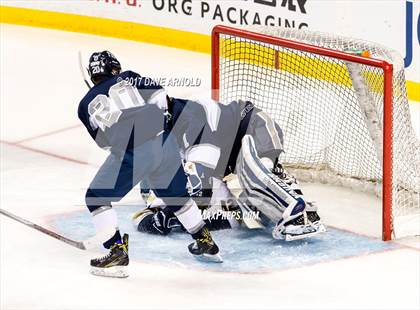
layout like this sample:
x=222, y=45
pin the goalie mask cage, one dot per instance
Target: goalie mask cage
x=345, y=117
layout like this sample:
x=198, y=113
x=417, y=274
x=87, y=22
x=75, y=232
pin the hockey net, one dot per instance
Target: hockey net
x=345, y=116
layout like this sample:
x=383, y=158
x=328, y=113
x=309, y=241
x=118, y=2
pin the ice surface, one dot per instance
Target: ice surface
x=243, y=250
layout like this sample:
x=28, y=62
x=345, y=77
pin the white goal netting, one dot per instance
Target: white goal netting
x=331, y=112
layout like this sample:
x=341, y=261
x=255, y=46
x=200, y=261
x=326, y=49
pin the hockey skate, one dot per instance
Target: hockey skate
x=204, y=248
x=311, y=211
x=299, y=228
x=306, y=225
x=115, y=263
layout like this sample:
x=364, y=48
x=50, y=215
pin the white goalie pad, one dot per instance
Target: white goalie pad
x=261, y=187
x=273, y=197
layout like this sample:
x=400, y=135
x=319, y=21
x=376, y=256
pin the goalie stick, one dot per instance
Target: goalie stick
x=78, y=244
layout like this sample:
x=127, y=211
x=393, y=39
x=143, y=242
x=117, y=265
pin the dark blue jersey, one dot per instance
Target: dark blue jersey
x=123, y=111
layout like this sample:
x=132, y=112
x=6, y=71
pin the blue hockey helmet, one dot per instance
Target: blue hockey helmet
x=103, y=65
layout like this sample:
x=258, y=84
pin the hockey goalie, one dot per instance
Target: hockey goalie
x=240, y=143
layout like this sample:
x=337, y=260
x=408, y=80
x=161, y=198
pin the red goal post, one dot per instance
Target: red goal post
x=387, y=68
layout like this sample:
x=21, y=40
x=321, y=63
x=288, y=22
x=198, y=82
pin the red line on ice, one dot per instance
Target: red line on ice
x=47, y=134
x=45, y=153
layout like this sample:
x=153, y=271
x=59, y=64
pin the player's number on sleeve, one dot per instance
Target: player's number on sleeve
x=105, y=111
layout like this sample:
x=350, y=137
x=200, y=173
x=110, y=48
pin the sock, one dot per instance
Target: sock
x=114, y=239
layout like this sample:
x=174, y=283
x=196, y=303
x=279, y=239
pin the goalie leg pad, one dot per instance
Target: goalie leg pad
x=274, y=198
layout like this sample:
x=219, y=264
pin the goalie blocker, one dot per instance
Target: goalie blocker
x=273, y=197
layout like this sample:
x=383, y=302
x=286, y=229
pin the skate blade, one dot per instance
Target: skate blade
x=111, y=272
x=320, y=229
x=208, y=258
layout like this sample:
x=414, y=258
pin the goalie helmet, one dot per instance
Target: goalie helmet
x=103, y=65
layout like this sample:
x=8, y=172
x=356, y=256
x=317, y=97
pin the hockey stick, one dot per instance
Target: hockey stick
x=82, y=71
x=76, y=244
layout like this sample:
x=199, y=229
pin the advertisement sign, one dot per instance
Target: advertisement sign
x=394, y=24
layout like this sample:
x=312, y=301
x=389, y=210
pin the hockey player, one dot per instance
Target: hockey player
x=124, y=115
x=212, y=137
